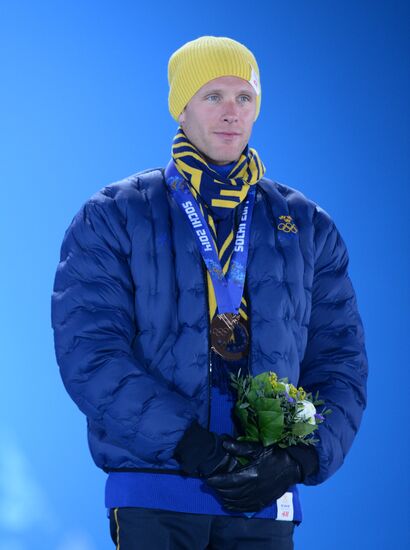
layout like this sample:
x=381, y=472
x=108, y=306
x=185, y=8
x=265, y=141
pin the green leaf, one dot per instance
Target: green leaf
x=261, y=382
x=252, y=396
x=252, y=432
x=270, y=426
x=242, y=415
x=267, y=404
x=260, y=378
x=301, y=429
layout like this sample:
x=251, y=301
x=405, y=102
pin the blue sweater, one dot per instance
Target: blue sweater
x=183, y=494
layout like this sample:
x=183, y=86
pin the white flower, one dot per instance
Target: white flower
x=281, y=386
x=306, y=412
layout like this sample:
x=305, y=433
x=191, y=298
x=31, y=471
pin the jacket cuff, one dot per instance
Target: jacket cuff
x=307, y=458
x=196, y=446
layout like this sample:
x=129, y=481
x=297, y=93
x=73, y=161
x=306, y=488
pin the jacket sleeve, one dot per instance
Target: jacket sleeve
x=94, y=327
x=335, y=361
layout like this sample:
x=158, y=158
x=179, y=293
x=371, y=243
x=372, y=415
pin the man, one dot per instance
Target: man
x=152, y=312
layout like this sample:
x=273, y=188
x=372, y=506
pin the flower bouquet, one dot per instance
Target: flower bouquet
x=270, y=410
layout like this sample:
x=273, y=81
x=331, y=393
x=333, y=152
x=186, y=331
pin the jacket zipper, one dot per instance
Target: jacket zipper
x=204, y=271
x=209, y=387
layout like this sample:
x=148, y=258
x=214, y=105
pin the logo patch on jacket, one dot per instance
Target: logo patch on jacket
x=287, y=224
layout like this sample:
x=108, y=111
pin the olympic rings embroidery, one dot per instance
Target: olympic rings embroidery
x=287, y=225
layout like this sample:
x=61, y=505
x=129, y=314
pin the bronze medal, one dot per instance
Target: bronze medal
x=226, y=330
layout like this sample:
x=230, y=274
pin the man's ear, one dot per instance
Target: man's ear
x=181, y=118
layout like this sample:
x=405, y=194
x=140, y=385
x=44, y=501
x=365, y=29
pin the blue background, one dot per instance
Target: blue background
x=83, y=102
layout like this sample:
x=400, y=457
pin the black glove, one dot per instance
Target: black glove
x=202, y=451
x=269, y=474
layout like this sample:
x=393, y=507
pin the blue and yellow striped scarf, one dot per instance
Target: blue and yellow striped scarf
x=217, y=197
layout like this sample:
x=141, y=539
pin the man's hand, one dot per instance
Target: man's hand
x=200, y=451
x=269, y=474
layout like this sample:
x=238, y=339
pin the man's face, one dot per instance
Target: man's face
x=218, y=119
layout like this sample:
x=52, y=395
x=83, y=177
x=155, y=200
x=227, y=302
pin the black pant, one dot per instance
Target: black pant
x=146, y=529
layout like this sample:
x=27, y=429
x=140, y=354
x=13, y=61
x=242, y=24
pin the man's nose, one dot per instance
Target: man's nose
x=230, y=113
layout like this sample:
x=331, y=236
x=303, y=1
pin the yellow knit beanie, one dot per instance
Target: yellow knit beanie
x=201, y=60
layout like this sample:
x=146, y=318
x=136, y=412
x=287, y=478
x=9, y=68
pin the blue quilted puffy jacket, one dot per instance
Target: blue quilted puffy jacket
x=130, y=320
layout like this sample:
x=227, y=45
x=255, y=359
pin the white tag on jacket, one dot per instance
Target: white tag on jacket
x=285, y=507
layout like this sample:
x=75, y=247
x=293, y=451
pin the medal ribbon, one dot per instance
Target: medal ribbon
x=229, y=288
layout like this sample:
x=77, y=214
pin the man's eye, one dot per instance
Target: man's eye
x=244, y=98
x=213, y=97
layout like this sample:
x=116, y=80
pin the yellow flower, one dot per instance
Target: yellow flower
x=302, y=393
x=293, y=392
x=273, y=379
